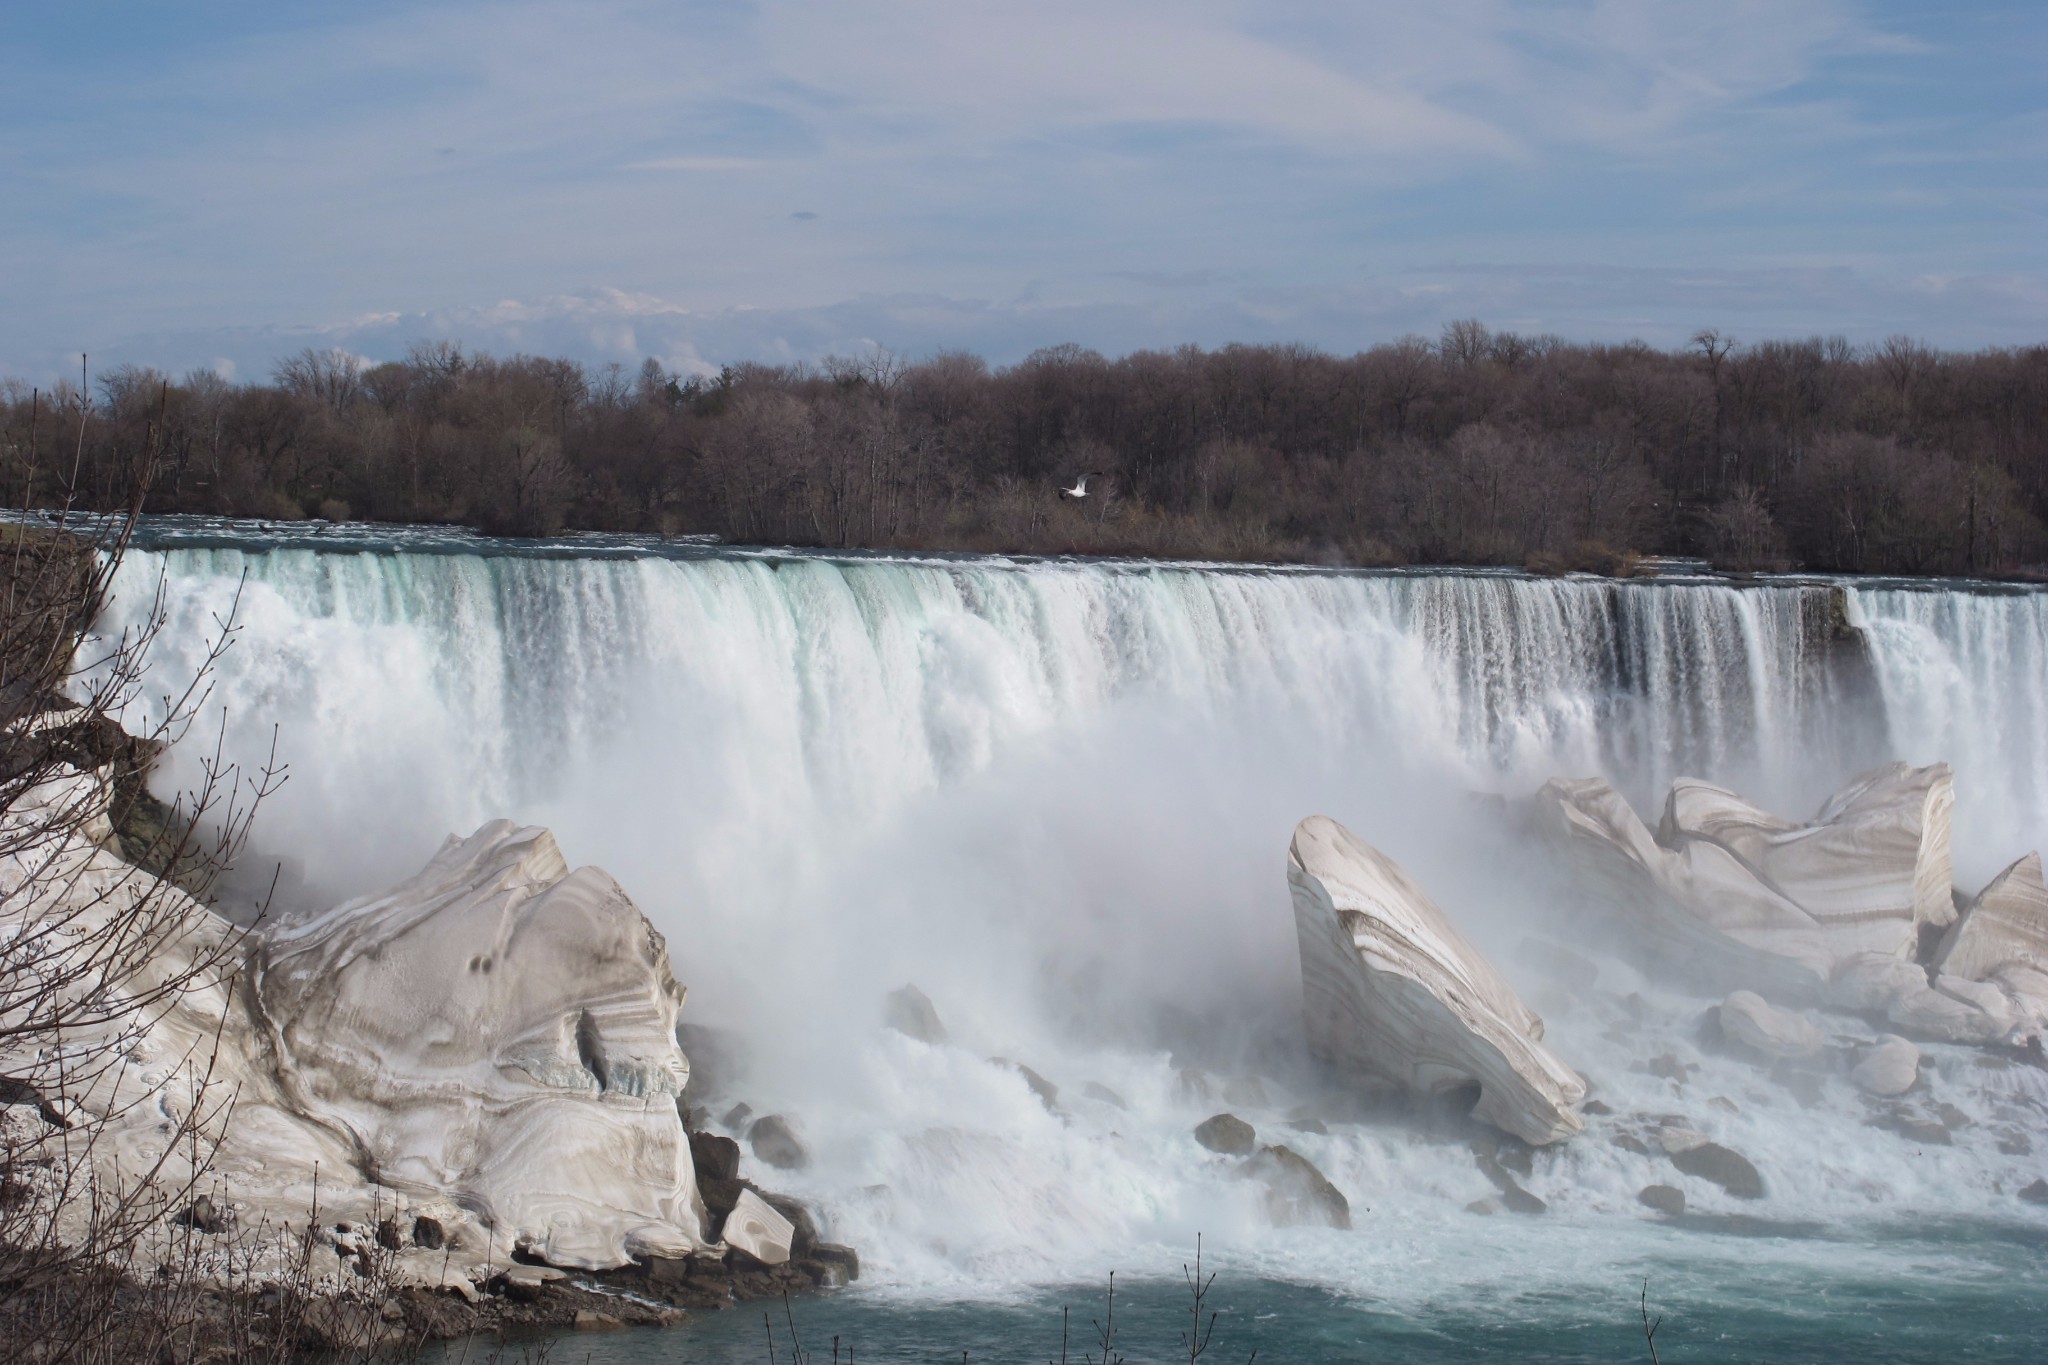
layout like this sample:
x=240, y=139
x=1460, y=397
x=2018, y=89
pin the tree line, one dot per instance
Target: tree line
x=1478, y=447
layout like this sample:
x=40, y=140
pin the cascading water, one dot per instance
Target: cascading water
x=1057, y=796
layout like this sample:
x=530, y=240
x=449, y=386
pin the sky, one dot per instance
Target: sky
x=706, y=181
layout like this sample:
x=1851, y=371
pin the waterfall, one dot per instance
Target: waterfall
x=1055, y=795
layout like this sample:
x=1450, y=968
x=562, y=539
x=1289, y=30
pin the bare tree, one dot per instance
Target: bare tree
x=103, y=930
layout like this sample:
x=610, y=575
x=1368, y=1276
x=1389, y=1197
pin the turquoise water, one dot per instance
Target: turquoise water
x=1980, y=1299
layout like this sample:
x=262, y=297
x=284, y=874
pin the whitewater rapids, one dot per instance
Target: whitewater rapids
x=1057, y=797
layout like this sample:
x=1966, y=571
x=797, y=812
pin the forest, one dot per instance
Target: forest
x=1477, y=447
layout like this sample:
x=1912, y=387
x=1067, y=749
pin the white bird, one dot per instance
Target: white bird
x=1080, y=488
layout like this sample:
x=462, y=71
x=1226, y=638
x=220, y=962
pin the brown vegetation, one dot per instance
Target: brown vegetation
x=1482, y=447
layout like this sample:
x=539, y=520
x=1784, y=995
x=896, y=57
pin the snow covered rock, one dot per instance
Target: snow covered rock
x=1747, y=1018
x=1889, y=1068
x=1392, y=990
x=2001, y=938
x=1754, y=900
x=501, y=1029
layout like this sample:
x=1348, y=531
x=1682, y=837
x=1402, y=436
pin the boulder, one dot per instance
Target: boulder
x=1665, y=1199
x=2036, y=1193
x=1102, y=1094
x=776, y=1142
x=1694, y=1154
x=1392, y=990
x=758, y=1230
x=714, y=1157
x=428, y=1234
x=1735, y=894
x=1889, y=1068
x=2005, y=925
x=500, y=1029
x=1226, y=1133
x=1297, y=1193
x=910, y=1012
x=1048, y=1093
x=1748, y=1019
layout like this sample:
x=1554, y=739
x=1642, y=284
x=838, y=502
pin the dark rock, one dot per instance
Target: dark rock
x=1669, y=1067
x=1629, y=1142
x=1596, y=1108
x=1914, y=1127
x=1953, y=1118
x=2036, y=1193
x=2014, y=1143
x=776, y=1143
x=1666, y=1199
x=719, y=1196
x=1048, y=1093
x=1483, y=1207
x=844, y=1257
x=1096, y=1090
x=715, y=1157
x=1296, y=1192
x=1517, y=1199
x=910, y=1012
x=427, y=1234
x=804, y=1229
x=1316, y=1126
x=204, y=1215
x=1228, y=1134
x=737, y=1116
x=388, y=1234
x=1727, y=1168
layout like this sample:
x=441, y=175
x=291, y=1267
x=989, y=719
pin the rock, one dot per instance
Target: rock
x=1485, y=1208
x=1734, y=894
x=736, y=1117
x=1629, y=1142
x=1596, y=1108
x=493, y=1029
x=203, y=1215
x=803, y=1235
x=1668, y=1067
x=1228, y=1134
x=1392, y=990
x=1694, y=1154
x=776, y=1143
x=388, y=1234
x=1102, y=1094
x=1751, y=1021
x=714, y=1157
x=525, y=1283
x=1315, y=1126
x=2036, y=1193
x=586, y=1320
x=1296, y=1192
x=844, y=1257
x=910, y=1012
x=2005, y=925
x=1048, y=1093
x=758, y=1230
x=2013, y=1143
x=1517, y=1199
x=1666, y=1199
x=1913, y=1127
x=1889, y=1068
x=427, y=1234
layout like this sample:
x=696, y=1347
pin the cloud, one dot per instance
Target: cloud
x=1107, y=158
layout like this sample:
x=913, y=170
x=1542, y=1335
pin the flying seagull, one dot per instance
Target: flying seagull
x=1080, y=488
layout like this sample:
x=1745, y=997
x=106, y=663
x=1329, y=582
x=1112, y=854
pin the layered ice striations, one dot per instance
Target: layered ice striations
x=504, y=1029
x=1391, y=989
